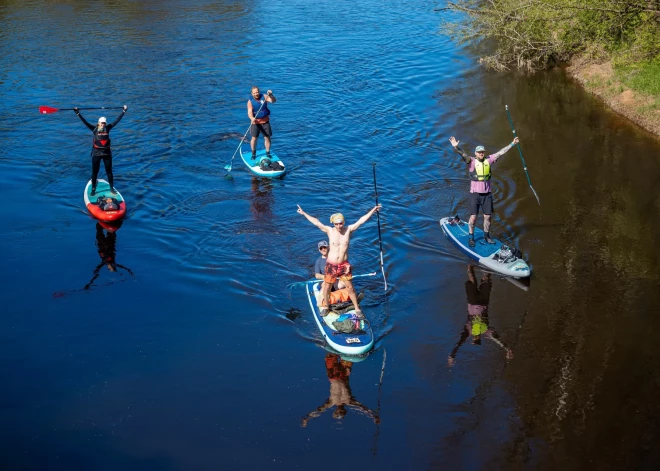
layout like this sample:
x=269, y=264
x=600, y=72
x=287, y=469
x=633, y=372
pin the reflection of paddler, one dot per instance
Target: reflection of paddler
x=262, y=199
x=339, y=371
x=478, y=297
x=106, y=244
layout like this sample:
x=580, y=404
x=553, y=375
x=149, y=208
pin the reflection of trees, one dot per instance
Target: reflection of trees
x=587, y=375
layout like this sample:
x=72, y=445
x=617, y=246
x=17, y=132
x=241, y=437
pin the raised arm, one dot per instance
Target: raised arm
x=315, y=413
x=110, y=126
x=364, y=218
x=270, y=97
x=504, y=150
x=463, y=154
x=313, y=220
x=91, y=128
x=452, y=356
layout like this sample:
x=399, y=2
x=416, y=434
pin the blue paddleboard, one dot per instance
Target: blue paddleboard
x=497, y=257
x=259, y=165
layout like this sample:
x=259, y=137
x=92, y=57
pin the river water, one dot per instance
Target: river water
x=191, y=353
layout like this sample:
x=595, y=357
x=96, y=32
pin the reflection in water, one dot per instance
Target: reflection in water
x=106, y=244
x=477, y=325
x=262, y=198
x=339, y=371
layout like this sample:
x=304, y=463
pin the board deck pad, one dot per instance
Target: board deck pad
x=498, y=257
x=254, y=165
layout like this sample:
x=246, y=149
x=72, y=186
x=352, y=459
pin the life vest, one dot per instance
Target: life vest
x=101, y=139
x=339, y=296
x=256, y=104
x=478, y=326
x=481, y=172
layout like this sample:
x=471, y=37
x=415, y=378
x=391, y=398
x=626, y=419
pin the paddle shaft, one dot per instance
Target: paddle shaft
x=228, y=167
x=508, y=115
x=48, y=109
x=300, y=283
x=380, y=239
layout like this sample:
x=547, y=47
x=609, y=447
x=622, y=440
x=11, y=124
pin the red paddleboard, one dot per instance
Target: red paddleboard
x=103, y=192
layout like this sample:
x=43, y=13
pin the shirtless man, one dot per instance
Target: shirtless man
x=337, y=265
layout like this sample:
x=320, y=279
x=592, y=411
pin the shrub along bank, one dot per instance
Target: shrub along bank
x=613, y=46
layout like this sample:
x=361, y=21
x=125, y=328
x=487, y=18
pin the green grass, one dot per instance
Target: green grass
x=643, y=77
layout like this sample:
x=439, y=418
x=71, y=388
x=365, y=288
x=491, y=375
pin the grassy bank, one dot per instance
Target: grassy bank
x=612, y=46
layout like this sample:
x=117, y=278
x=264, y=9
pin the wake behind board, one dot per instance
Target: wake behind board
x=496, y=257
x=350, y=344
x=103, y=191
x=271, y=167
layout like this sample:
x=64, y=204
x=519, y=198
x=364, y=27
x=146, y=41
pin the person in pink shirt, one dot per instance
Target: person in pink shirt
x=480, y=194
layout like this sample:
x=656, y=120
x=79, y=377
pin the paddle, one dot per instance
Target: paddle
x=228, y=166
x=302, y=283
x=380, y=240
x=377, y=414
x=49, y=109
x=508, y=115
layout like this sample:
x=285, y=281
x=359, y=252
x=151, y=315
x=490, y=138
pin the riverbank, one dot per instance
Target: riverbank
x=611, y=85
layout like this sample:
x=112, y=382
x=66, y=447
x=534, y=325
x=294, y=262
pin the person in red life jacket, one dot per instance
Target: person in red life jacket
x=259, y=114
x=480, y=194
x=101, y=147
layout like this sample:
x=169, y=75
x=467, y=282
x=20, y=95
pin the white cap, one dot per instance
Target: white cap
x=102, y=120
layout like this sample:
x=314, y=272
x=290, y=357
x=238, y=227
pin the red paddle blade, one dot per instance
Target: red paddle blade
x=47, y=109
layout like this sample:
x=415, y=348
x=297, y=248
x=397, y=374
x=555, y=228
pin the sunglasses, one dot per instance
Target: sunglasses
x=338, y=223
x=323, y=248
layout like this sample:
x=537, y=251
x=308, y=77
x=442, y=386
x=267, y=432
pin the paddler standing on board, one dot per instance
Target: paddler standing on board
x=259, y=114
x=480, y=194
x=336, y=265
x=101, y=147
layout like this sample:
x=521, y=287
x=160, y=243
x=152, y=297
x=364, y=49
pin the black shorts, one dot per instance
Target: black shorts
x=264, y=129
x=479, y=295
x=480, y=200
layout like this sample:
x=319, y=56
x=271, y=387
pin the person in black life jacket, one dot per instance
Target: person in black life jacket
x=106, y=244
x=259, y=114
x=480, y=194
x=101, y=147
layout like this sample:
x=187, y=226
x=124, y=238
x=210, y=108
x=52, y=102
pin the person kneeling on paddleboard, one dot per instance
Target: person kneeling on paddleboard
x=480, y=194
x=339, y=296
x=337, y=266
x=259, y=114
x=101, y=147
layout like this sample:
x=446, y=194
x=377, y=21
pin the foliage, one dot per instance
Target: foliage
x=533, y=34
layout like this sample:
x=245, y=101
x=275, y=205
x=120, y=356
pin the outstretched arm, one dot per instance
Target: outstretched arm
x=463, y=154
x=452, y=356
x=364, y=218
x=313, y=220
x=110, y=126
x=494, y=336
x=504, y=150
x=315, y=413
x=91, y=128
x=365, y=410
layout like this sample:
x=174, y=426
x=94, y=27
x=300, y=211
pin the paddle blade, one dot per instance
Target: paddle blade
x=48, y=110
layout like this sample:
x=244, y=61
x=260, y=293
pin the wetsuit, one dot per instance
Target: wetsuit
x=101, y=149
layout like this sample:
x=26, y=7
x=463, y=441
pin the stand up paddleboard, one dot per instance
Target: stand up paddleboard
x=103, y=191
x=271, y=167
x=350, y=344
x=496, y=257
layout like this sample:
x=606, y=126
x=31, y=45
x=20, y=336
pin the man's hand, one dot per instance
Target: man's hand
x=300, y=211
x=377, y=207
x=75, y=110
x=453, y=141
x=516, y=141
x=450, y=361
x=269, y=92
x=125, y=108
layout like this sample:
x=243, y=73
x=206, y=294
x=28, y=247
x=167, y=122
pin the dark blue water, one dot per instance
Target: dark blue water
x=193, y=354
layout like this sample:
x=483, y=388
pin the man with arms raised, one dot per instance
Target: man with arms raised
x=337, y=265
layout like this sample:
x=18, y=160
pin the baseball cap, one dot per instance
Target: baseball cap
x=480, y=149
x=102, y=120
x=337, y=217
x=323, y=243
